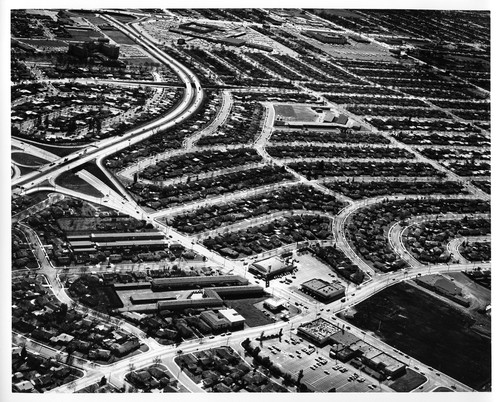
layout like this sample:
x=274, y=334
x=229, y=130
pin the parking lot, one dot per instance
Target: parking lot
x=308, y=268
x=321, y=373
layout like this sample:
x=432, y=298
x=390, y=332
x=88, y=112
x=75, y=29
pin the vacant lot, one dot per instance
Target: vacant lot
x=428, y=329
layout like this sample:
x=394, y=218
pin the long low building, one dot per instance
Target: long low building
x=106, y=241
x=150, y=297
x=160, y=243
x=193, y=282
x=189, y=303
x=245, y=290
x=108, y=237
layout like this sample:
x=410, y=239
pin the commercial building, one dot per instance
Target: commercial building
x=274, y=305
x=270, y=267
x=323, y=291
x=386, y=364
x=318, y=331
x=236, y=320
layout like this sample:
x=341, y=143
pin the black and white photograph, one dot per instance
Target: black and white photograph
x=237, y=199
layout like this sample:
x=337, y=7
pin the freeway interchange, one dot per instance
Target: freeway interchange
x=191, y=100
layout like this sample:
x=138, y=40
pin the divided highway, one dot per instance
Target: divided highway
x=193, y=96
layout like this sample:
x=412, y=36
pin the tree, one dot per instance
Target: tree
x=24, y=353
x=246, y=343
x=64, y=310
x=103, y=381
x=300, y=376
x=97, y=126
x=256, y=352
x=71, y=126
x=266, y=361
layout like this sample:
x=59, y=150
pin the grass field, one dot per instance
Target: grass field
x=408, y=382
x=83, y=35
x=139, y=60
x=295, y=113
x=73, y=182
x=428, y=329
x=45, y=42
x=442, y=389
x=253, y=316
x=92, y=168
x=119, y=37
x=27, y=159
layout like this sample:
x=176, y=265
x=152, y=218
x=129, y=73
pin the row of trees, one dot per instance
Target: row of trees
x=274, y=369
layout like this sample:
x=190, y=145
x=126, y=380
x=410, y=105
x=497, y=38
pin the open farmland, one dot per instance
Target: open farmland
x=428, y=329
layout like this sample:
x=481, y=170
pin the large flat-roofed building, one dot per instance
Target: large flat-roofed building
x=318, y=331
x=270, y=267
x=150, y=244
x=236, y=320
x=142, y=298
x=238, y=291
x=323, y=291
x=388, y=365
x=110, y=241
x=211, y=300
x=122, y=236
x=197, y=282
x=344, y=338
